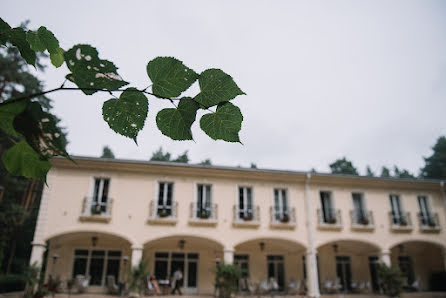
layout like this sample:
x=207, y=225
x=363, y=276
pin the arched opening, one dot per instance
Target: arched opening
x=348, y=266
x=422, y=264
x=196, y=257
x=96, y=258
x=264, y=259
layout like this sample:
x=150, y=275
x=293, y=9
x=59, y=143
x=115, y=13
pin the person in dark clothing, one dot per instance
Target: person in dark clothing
x=177, y=278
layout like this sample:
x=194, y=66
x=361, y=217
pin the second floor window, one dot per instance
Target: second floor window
x=425, y=213
x=203, y=201
x=398, y=217
x=245, y=207
x=281, y=205
x=359, y=211
x=328, y=214
x=100, y=195
x=165, y=198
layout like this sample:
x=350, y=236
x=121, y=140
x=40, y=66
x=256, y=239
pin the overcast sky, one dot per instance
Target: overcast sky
x=324, y=79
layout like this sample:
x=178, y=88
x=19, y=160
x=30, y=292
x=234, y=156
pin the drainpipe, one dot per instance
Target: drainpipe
x=313, y=282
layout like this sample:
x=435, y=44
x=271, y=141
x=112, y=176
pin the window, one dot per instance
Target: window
x=425, y=213
x=281, y=205
x=397, y=211
x=242, y=261
x=100, y=195
x=344, y=272
x=359, y=211
x=245, y=207
x=276, y=269
x=165, y=196
x=203, y=201
x=406, y=267
x=166, y=264
x=97, y=264
x=328, y=214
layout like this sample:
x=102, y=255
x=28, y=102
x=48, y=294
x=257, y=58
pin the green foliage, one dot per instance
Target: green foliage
x=12, y=283
x=170, y=77
x=107, y=152
x=224, y=124
x=226, y=278
x=397, y=173
x=216, y=87
x=206, y=162
x=343, y=166
x=391, y=280
x=127, y=114
x=435, y=165
x=138, y=277
x=176, y=123
x=182, y=158
x=89, y=72
x=31, y=277
x=159, y=155
x=385, y=173
x=369, y=172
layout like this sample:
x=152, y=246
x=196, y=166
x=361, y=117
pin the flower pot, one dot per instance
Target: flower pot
x=285, y=218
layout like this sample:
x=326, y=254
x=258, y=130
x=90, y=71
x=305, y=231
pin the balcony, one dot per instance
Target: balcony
x=203, y=217
x=400, y=222
x=429, y=222
x=331, y=220
x=96, y=211
x=167, y=215
x=362, y=220
x=248, y=218
x=282, y=220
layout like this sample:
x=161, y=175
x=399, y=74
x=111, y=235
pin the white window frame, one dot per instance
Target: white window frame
x=157, y=205
x=245, y=209
x=100, y=192
x=281, y=210
x=203, y=198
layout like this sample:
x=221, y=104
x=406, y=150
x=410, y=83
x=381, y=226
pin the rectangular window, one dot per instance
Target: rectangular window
x=165, y=199
x=100, y=195
x=167, y=263
x=344, y=272
x=425, y=214
x=242, y=261
x=397, y=210
x=406, y=267
x=245, y=206
x=328, y=214
x=276, y=269
x=97, y=264
x=281, y=205
x=203, y=201
x=359, y=212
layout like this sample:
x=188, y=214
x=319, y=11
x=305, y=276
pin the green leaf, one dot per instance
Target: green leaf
x=216, y=86
x=127, y=114
x=176, y=123
x=34, y=40
x=41, y=131
x=88, y=71
x=4, y=27
x=224, y=124
x=48, y=39
x=57, y=58
x=17, y=37
x=170, y=77
x=22, y=160
x=8, y=113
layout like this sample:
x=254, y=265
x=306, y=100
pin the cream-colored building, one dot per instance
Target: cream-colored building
x=318, y=230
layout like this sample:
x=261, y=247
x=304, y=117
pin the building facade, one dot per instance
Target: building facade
x=318, y=230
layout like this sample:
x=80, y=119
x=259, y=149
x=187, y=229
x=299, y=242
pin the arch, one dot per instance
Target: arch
x=253, y=239
x=176, y=236
x=372, y=244
x=425, y=241
x=69, y=231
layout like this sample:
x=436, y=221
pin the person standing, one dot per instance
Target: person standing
x=178, y=278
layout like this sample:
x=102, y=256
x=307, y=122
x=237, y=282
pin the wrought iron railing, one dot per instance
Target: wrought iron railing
x=402, y=219
x=428, y=221
x=206, y=213
x=282, y=217
x=329, y=216
x=247, y=214
x=163, y=211
x=362, y=218
x=94, y=208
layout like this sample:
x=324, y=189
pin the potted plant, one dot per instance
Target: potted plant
x=247, y=217
x=391, y=280
x=285, y=218
x=331, y=220
x=431, y=222
x=364, y=220
x=70, y=284
x=95, y=209
x=163, y=213
x=204, y=214
x=226, y=278
x=137, y=279
x=403, y=221
x=41, y=292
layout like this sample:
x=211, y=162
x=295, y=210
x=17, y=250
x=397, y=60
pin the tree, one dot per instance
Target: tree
x=385, y=172
x=206, y=162
x=343, y=166
x=435, y=165
x=369, y=172
x=159, y=155
x=253, y=166
x=391, y=280
x=182, y=158
x=107, y=152
x=37, y=137
x=397, y=173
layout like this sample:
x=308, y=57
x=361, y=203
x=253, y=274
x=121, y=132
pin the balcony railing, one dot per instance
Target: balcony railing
x=400, y=221
x=331, y=219
x=96, y=211
x=362, y=220
x=203, y=216
x=163, y=215
x=285, y=219
x=429, y=222
x=246, y=217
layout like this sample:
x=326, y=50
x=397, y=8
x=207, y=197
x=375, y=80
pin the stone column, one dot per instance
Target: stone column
x=37, y=253
x=136, y=256
x=312, y=274
x=228, y=256
x=385, y=257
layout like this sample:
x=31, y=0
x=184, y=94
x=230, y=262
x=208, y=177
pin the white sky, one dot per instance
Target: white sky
x=324, y=79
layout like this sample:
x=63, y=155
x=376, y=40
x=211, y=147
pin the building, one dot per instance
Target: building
x=313, y=228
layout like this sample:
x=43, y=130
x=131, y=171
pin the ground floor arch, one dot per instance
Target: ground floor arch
x=422, y=263
x=348, y=266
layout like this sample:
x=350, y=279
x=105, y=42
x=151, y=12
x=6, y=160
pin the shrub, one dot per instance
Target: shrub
x=12, y=283
x=391, y=280
x=226, y=278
